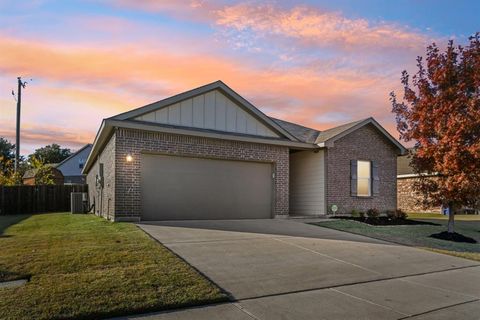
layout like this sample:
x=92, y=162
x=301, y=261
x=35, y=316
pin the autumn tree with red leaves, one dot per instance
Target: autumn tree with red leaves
x=440, y=112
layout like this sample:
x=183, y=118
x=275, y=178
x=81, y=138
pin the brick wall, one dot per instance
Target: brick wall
x=104, y=199
x=134, y=142
x=366, y=143
x=410, y=201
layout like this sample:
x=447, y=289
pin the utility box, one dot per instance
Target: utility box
x=78, y=202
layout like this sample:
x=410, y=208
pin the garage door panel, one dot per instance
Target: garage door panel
x=182, y=188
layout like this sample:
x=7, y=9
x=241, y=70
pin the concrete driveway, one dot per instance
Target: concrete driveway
x=286, y=269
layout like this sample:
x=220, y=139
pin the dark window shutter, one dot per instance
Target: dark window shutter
x=353, y=177
x=375, y=178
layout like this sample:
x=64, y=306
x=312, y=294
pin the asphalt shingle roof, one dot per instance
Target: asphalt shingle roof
x=303, y=134
x=309, y=135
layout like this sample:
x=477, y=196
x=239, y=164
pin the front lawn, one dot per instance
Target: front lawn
x=418, y=235
x=458, y=217
x=83, y=267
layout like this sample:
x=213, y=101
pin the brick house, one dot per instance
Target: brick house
x=210, y=154
x=407, y=198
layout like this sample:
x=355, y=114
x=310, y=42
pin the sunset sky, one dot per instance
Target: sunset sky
x=318, y=63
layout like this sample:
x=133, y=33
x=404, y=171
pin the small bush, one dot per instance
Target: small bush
x=355, y=213
x=362, y=214
x=400, y=214
x=373, y=213
x=391, y=214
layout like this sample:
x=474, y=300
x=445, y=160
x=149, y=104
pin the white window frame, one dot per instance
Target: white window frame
x=369, y=179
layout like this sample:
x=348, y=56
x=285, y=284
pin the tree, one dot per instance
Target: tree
x=43, y=172
x=440, y=112
x=7, y=155
x=50, y=154
x=11, y=178
x=8, y=176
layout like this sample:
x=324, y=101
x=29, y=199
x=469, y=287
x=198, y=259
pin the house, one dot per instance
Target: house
x=72, y=166
x=408, y=199
x=31, y=176
x=208, y=153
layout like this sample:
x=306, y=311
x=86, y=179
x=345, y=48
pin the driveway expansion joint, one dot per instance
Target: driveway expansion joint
x=350, y=284
x=327, y=256
x=439, y=289
x=438, y=309
x=219, y=240
x=368, y=301
x=244, y=310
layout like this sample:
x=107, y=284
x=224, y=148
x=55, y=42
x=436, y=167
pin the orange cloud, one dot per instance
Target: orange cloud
x=86, y=83
x=321, y=28
x=307, y=24
x=34, y=135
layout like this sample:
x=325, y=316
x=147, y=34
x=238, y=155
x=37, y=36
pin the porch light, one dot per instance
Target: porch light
x=129, y=158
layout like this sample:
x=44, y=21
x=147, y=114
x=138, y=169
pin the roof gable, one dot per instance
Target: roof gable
x=211, y=110
x=328, y=137
x=214, y=106
x=73, y=165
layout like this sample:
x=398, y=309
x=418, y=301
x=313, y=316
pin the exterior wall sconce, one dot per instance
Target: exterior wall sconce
x=129, y=158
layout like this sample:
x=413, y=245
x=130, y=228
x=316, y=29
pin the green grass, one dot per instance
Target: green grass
x=458, y=217
x=84, y=267
x=418, y=235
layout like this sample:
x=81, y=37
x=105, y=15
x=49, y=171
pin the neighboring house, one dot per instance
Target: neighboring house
x=407, y=198
x=30, y=176
x=72, y=166
x=210, y=154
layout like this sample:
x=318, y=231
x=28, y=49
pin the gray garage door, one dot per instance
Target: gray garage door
x=182, y=188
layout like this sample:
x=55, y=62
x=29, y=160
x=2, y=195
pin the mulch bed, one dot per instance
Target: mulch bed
x=455, y=237
x=385, y=221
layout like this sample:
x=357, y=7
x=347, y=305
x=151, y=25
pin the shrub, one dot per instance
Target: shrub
x=362, y=214
x=373, y=213
x=391, y=214
x=400, y=214
x=355, y=213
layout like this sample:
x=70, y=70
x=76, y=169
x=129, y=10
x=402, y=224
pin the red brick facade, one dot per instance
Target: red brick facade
x=120, y=197
x=135, y=142
x=366, y=143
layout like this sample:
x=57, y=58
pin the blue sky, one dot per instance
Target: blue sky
x=318, y=63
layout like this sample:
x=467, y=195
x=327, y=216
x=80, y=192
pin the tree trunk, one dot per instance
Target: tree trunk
x=451, y=217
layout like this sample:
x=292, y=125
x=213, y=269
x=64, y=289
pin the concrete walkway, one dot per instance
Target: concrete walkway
x=284, y=269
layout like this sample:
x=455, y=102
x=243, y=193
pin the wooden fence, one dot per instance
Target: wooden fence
x=37, y=199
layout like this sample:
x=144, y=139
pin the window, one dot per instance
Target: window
x=364, y=178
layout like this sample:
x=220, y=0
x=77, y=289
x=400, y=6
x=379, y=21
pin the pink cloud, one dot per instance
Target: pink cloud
x=88, y=82
x=34, y=136
x=305, y=24
x=311, y=26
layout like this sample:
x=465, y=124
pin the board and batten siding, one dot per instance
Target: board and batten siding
x=212, y=110
x=307, y=183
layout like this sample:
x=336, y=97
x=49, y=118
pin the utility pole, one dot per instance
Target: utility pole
x=19, y=106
